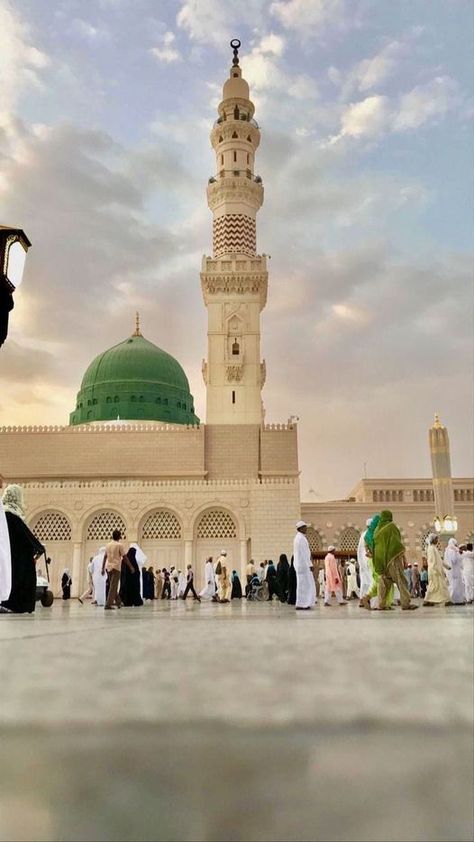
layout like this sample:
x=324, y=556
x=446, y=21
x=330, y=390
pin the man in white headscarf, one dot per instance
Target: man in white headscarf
x=452, y=557
x=98, y=578
x=365, y=572
x=305, y=586
x=5, y=560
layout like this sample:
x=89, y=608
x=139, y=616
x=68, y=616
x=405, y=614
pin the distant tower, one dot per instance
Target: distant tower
x=234, y=280
x=442, y=481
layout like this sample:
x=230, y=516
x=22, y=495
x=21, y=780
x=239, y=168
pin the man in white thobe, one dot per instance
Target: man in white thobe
x=467, y=557
x=98, y=580
x=5, y=559
x=210, y=587
x=365, y=572
x=305, y=586
x=352, y=586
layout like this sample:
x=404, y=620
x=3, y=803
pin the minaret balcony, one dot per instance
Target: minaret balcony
x=235, y=188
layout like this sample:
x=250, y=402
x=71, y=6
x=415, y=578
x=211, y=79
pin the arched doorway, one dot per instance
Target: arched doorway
x=53, y=529
x=215, y=530
x=161, y=539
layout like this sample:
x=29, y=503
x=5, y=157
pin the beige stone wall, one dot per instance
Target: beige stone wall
x=232, y=451
x=101, y=451
x=279, y=450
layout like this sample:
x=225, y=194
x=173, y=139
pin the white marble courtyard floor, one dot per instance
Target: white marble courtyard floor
x=241, y=722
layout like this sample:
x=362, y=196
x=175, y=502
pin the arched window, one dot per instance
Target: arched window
x=116, y=399
x=51, y=526
x=216, y=524
x=103, y=524
x=235, y=156
x=179, y=404
x=158, y=400
x=234, y=135
x=133, y=398
x=236, y=112
x=235, y=348
x=314, y=540
x=349, y=540
x=165, y=401
x=161, y=525
x=108, y=400
x=220, y=138
x=222, y=160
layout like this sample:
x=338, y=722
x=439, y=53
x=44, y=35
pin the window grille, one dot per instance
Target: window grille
x=349, y=540
x=216, y=524
x=103, y=524
x=52, y=526
x=314, y=540
x=161, y=525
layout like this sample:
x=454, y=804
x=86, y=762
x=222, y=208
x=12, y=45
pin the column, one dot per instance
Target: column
x=77, y=584
x=188, y=552
x=243, y=561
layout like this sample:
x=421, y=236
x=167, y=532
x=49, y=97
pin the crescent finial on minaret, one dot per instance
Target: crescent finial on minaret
x=235, y=44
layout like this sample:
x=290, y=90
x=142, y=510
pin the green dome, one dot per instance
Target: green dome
x=134, y=381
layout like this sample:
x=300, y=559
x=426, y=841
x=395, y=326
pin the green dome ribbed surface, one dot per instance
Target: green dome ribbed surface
x=134, y=380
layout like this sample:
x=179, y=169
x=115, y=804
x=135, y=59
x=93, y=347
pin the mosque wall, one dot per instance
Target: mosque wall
x=102, y=451
x=340, y=523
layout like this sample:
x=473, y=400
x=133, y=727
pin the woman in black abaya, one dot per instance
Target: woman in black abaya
x=25, y=549
x=283, y=577
x=292, y=584
x=236, y=586
x=130, y=580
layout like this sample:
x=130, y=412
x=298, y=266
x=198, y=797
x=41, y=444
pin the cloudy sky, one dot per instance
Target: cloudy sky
x=366, y=156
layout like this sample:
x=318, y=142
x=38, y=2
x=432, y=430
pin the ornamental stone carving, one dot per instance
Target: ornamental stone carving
x=234, y=373
x=204, y=371
x=263, y=373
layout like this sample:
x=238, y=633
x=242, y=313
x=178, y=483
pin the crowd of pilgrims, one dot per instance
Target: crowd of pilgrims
x=118, y=575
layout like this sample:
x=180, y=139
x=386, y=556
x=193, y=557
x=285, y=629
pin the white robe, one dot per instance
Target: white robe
x=365, y=572
x=352, y=586
x=468, y=573
x=98, y=580
x=210, y=587
x=5, y=557
x=182, y=582
x=305, y=586
x=452, y=556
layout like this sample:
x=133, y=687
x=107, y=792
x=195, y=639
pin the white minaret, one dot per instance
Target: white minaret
x=445, y=520
x=234, y=281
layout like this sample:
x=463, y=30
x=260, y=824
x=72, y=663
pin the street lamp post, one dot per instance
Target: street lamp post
x=14, y=245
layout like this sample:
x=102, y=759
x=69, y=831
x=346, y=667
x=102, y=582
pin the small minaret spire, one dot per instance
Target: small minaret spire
x=137, y=324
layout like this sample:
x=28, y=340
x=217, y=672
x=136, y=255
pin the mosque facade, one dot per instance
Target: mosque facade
x=136, y=457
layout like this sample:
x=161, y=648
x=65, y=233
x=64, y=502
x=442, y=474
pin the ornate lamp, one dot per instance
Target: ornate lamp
x=447, y=525
x=14, y=245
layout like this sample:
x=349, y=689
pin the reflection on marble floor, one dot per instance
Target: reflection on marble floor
x=236, y=722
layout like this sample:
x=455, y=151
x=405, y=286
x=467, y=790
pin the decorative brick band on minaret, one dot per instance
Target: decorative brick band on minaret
x=234, y=233
x=234, y=281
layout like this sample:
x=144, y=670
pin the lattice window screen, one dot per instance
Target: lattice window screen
x=52, y=526
x=349, y=540
x=216, y=524
x=423, y=537
x=102, y=526
x=161, y=524
x=314, y=540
